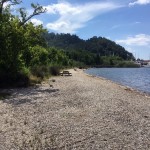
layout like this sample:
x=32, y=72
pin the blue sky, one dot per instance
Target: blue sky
x=126, y=22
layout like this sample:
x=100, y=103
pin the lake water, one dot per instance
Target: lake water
x=137, y=78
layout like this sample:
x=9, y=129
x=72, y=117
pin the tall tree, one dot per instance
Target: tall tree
x=17, y=35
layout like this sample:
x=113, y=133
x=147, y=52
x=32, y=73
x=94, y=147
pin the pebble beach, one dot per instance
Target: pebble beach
x=78, y=112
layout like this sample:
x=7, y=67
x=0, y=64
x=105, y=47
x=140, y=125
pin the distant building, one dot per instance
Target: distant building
x=146, y=63
x=143, y=63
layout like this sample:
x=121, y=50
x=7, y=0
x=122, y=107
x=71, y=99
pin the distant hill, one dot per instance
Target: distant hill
x=95, y=46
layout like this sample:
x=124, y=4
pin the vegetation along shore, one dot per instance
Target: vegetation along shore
x=29, y=53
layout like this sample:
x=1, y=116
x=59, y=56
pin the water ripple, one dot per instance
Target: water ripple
x=137, y=78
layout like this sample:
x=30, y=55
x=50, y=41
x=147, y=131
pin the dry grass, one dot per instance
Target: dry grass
x=35, y=80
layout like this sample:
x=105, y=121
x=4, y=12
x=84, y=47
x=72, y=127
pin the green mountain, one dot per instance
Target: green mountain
x=96, y=45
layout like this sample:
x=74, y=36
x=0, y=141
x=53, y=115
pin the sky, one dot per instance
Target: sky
x=127, y=22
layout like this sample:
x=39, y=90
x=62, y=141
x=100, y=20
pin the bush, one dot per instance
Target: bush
x=35, y=80
x=40, y=71
x=127, y=64
x=54, y=70
x=45, y=71
x=39, y=56
x=17, y=80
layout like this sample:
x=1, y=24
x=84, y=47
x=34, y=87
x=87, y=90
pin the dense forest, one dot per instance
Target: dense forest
x=95, y=45
x=96, y=51
x=28, y=53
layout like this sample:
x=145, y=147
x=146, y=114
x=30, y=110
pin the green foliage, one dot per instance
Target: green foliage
x=58, y=57
x=82, y=56
x=96, y=51
x=95, y=45
x=33, y=41
x=111, y=61
x=40, y=71
x=39, y=56
x=45, y=71
x=16, y=80
x=54, y=70
x=127, y=64
x=20, y=44
x=12, y=43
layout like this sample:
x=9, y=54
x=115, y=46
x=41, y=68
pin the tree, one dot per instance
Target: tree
x=57, y=57
x=4, y=8
x=39, y=56
x=37, y=10
x=94, y=45
x=17, y=37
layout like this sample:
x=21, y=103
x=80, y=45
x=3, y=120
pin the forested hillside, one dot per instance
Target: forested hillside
x=95, y=45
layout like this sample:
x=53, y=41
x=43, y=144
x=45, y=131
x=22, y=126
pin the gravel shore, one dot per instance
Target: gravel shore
x=79, y=112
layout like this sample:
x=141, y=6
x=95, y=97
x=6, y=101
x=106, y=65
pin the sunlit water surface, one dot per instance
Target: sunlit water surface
x=137, y=78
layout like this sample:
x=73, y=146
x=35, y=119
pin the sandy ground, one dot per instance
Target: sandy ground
x=75, y=112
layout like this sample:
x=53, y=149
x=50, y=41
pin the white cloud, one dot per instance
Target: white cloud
x=36, y=22
x=137, y=40
x=140, y=2
x=73, y=17
x=6, y=4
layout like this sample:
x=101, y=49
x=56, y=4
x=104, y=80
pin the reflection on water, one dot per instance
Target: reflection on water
x=138, y=78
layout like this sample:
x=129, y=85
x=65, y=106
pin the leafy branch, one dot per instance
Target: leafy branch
x=38, y=9
x=9, y=3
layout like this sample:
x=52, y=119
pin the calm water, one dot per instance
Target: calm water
x=137, y=78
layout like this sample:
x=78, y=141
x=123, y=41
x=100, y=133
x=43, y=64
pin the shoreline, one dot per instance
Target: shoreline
x=147, y=94
x=121, y=85
x=75, y=112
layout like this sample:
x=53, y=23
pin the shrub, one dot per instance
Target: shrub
x=39, y=56
x=40, y=71
x=17, y=80
x=35, y=80
x=127, y=64
x=54, y=70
